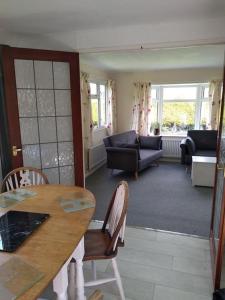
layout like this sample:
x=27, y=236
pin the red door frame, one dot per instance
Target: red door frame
x=9, y=54
x=216, y=258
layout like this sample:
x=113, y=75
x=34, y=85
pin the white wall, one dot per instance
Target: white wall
x=125, y=91
x=32, y=41
x=98, y=134
x=164, y=34
x=97, y=75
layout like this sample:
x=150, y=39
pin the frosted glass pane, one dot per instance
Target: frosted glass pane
x=65, y=153
x=63, y=103
x=43, y=74
x=31, y=156
x=45, y=103
x=47, y=128
x=24, y=73
x=61, y=75
x=49, y=155
x=27, y=103
x=29, y=131
x=67, y=175
x=52, y=175
x=64, y=129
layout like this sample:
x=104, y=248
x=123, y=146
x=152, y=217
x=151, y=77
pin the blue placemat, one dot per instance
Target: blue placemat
x=71, y=205
x=16, y=277
x=12, y=197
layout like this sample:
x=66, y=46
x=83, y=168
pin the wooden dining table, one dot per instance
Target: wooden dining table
x=59, y=239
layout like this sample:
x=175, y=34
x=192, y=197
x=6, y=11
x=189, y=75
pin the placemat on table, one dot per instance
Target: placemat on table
x=16, y=277
x=10, y=198
x=4, y=202
x=71, y=205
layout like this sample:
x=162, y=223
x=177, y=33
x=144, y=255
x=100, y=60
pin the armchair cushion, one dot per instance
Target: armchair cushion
x=190, y=145
x=150, y=142
x=128, y=137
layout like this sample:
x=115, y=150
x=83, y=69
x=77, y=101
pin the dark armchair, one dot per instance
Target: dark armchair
x=198, y=143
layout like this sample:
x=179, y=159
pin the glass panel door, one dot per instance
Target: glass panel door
x=217, y=234
x=45, y=117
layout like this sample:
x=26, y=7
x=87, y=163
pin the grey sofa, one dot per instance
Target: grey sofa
x=129, y=152
x=198, y=143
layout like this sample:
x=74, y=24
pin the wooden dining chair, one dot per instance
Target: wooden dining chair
x=21, y=177
x=103, y=243
x=97, y=295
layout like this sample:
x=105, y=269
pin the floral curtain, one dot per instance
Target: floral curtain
x=141, y=107
x=111, y=118
x=86, y=114
x=215, y=99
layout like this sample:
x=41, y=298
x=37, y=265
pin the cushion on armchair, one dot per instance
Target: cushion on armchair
x=190, y=145
x=150, y=142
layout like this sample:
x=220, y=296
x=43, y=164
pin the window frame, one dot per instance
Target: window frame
x=98, y=97
x=198, y=101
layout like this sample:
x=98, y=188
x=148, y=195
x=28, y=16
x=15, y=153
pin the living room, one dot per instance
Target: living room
x=57, y=57
x=164, y=196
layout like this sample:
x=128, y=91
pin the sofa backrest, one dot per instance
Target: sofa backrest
x=128, y=137
x=204, y=139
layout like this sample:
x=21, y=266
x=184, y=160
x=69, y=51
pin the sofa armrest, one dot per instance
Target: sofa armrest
x=122, y=158
x=184, y=150
x=183, y=143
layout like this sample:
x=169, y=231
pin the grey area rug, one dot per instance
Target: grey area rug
x=162, y=198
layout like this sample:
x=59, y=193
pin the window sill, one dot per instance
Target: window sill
x=99, y=129
x=174, y=136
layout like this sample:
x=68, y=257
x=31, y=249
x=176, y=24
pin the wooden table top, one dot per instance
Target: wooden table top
x=51, y=245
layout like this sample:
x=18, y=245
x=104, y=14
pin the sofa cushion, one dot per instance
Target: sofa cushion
x=129, y=137
x=150, y=142
x=204, y=139
x=130, y=146
x=190, y=145
x=147, y=157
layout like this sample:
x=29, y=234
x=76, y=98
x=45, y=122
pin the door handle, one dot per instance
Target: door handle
x=15, y=150
x=220, y=167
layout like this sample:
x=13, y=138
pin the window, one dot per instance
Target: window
x=178, y=108
x=98, y=104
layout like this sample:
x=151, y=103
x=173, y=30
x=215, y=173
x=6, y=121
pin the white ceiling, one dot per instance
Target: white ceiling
x=52, y=16
x=143, y=60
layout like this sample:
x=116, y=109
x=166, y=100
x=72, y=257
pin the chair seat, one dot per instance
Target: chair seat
x=96, y=243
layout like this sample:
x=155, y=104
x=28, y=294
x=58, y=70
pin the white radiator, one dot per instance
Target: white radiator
x=171, y=147
x=96, y=156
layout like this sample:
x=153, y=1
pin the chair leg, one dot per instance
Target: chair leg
x=118, y=278
x=93, y=266
x=136, y=175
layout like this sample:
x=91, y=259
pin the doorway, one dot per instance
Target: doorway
x=42, y=104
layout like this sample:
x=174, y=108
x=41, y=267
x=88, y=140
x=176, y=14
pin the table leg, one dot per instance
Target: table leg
x=78, y=256
x=60, y=283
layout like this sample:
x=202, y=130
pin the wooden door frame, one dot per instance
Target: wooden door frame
x=216, y=258
x=9, y=54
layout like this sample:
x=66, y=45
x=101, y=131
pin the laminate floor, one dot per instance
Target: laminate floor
x=156, y=265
